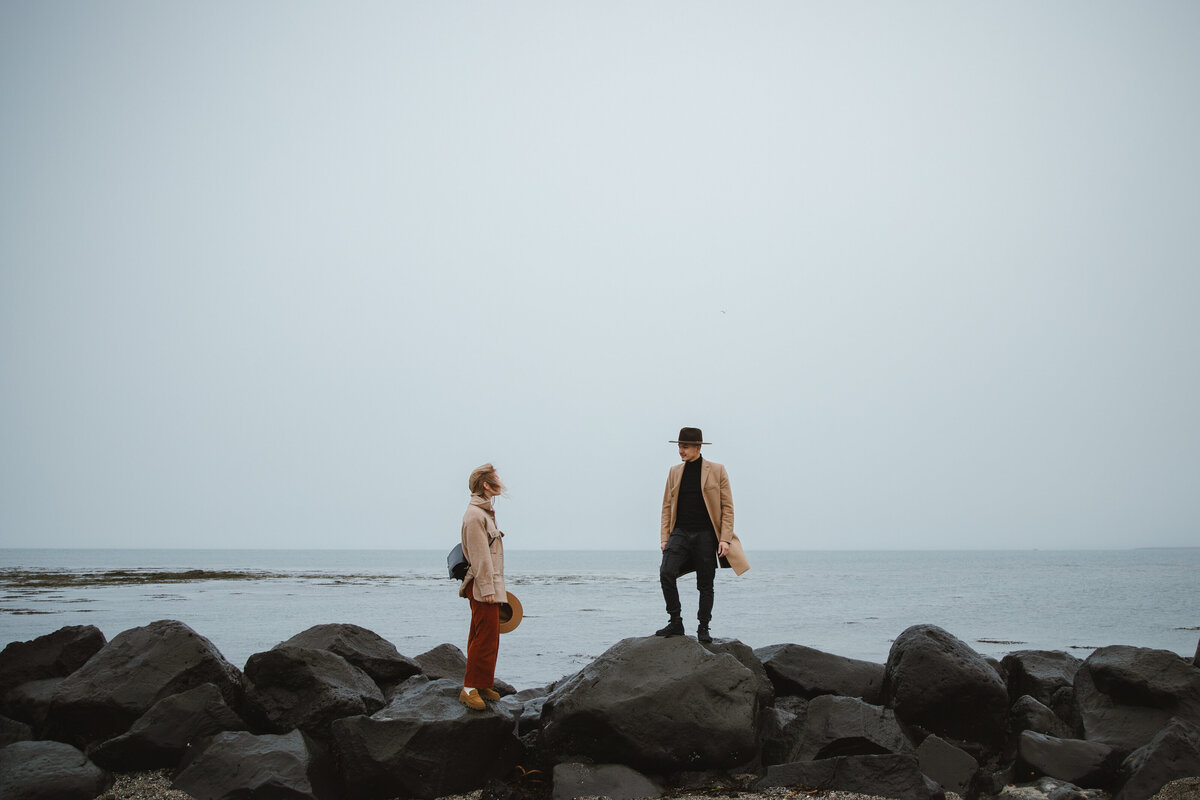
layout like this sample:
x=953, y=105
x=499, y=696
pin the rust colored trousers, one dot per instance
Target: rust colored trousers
x=483, y=645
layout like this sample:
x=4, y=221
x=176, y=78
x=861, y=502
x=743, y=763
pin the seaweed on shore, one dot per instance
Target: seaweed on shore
x=54, y=579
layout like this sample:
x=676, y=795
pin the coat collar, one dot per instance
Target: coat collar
x=483, y=502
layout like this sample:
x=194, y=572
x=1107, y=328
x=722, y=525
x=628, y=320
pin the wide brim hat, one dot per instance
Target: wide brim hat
x=689, y=436
x=510, y=613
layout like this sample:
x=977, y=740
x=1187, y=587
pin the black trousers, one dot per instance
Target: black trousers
x=689, y=551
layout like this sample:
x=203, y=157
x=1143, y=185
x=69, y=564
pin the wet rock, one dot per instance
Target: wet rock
x=363, y=648
x=424, y=743
x=131, y=673
x=893, y=776
x=1087, y=764
x=747, y=658
x=1028, y=714
x=783, y=729
x=1173, y=753
x=1047, y=676
x=935, y=681
x=846, y=726
x=49, y=771
x=656, y=704
x=160, y=737
x=55, y=655
x=796, y=669
x=13, y=731
x=30, y=703
x=614, y=781
x=1126, y=695
x=237, y=764
x=952, y=767
x=297, y=687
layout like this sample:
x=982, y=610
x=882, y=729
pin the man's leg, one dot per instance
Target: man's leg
x=705, y=562
x=673, y=560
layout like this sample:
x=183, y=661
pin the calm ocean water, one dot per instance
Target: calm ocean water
x=578, y=603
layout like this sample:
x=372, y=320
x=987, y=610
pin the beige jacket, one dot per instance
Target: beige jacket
x=483, y=544
x=718, y=500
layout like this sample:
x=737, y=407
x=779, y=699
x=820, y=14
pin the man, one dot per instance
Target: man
x=696, y=532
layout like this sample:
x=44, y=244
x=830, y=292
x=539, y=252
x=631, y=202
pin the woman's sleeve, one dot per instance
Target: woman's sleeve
x=480, y=555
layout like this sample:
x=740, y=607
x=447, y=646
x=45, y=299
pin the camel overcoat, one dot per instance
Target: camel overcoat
x=483, y=545
x=718, y=501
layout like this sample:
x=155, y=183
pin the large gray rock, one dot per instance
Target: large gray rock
x=800, y=670
x=783, y=728
x=424, y=743
x=30, y=702
x=1126, y=695
x=13, y=731
x=1047, y=676
x=235, y=765
x=846, y=726
x=893, y=776
x=131, y=673
x=748, y=659
x=55, y=655
x=614, y=781
x=1173, y=753
x=951, y=767
x=1027, y=714
x=656, y=704
x=160, y=737
x=297, y=687
x=49, y=771
x=936, y=681
x=1091, y=765
x=363, y=648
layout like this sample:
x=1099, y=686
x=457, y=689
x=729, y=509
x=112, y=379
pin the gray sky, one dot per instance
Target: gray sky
x=282, y=274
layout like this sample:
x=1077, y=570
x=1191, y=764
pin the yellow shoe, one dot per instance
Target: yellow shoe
x=489, y=694
x=472, y=700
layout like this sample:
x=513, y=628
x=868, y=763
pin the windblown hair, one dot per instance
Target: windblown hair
x=484, y=472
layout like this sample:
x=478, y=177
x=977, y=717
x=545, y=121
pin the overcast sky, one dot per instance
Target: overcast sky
x=927, y=274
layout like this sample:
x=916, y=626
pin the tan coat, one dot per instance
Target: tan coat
x=483, y=545
x=718, y=500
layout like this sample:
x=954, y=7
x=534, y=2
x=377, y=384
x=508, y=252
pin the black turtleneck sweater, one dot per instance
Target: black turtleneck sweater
x=690, y=513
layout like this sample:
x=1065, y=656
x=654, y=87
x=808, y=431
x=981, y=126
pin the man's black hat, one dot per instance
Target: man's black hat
x=690, y=436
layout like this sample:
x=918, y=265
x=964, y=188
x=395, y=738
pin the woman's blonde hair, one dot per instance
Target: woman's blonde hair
x=484, y=472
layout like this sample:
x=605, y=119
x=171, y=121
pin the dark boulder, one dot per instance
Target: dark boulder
x=49, y=771
x=783, y=728
x=936, y=681
x=1047, y=676
x=160, y=737
x=894, y=776
x=525, y=707
x=55, y=655
x=13, y=731
x=30, y=703
x=656, y=704
x=748, y=659
x=363, y=648
x=614, y=781
x=800, y=670
x=297, y=687
x=952, y=767
x=1088, y=764
x=131, y=673
x=1173, y=753
x=236, y=764
x=1027, y=714
x=1126, y=695
x=424, y=743
x=447, y=661
x=846, y=726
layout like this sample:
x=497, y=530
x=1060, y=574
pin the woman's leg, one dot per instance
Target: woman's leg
x=483, y=645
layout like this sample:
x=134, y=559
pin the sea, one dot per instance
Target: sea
x=577, y=604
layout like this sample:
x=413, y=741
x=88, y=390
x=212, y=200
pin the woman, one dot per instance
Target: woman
x=483, y=544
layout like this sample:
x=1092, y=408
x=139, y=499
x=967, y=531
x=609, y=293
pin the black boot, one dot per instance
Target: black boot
x=674, y=628
x=702, y=634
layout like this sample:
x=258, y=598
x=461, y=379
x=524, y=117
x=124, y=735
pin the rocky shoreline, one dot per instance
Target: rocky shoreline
x=337, y=712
